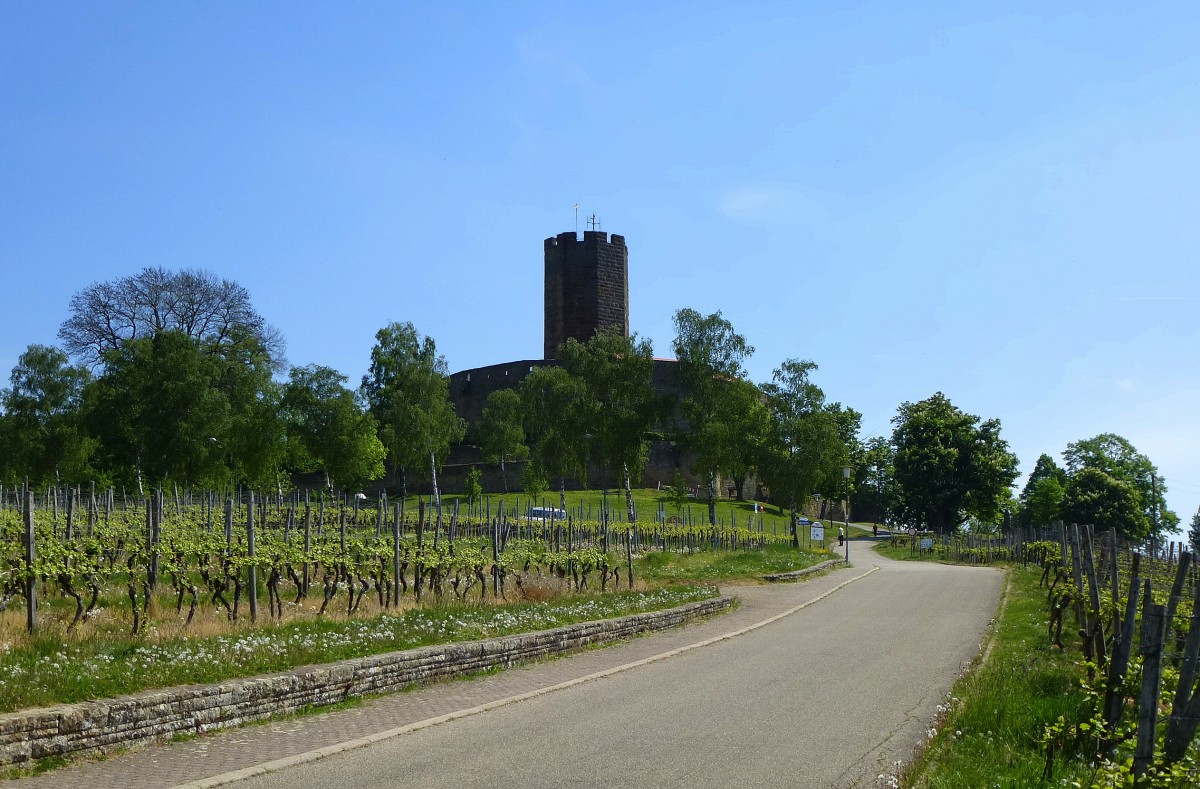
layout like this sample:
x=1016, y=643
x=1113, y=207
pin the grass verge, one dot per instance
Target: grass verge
x=49, y=670
x=988, y=733
x=709, y=566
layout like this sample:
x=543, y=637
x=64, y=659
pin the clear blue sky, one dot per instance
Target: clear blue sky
x=997, y=201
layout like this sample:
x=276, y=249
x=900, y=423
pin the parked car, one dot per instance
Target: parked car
x=546, y=514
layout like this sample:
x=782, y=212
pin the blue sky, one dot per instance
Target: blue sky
x=995, y=201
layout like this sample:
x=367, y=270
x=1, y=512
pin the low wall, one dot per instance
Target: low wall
x=797, y=574
x=94, y=727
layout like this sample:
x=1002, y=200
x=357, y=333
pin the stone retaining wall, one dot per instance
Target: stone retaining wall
x=98, y=726
x=795, y=574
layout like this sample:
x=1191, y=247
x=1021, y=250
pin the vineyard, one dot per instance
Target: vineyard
x=1130, y=616
x=77, y=555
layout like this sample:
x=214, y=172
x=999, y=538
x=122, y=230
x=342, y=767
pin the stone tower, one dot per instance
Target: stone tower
x=587, y=287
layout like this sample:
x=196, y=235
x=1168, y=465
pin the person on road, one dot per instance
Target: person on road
x=841, y=536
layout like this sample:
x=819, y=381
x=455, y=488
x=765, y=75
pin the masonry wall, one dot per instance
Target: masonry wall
x=101, y=726
x=586, y=287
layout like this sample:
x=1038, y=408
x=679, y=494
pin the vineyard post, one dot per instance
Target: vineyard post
x=251, y=568
x=1181, y=572
x=150, y=564
x=396, y=558
x=70, y=536
x=307, y=540
x=496, y=549
x=30, y=557
x=1185, y=712
x=1096, y=633
x=418, y=566
x=1153, y=630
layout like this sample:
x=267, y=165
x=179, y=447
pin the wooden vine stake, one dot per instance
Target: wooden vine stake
x=30, y=558
x=252, y=592
x=1153, y=630
x=1185, y=711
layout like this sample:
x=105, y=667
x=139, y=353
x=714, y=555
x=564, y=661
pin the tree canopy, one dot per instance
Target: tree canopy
x=1118, y=458
x=195, y=303
x=720, y=415
x=949, y=465
x=408, y=392
x=43, y=434
x=620, y=402
x=802, y=444
x=337, y=437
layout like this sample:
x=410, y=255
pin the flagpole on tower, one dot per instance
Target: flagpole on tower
x=577, y=219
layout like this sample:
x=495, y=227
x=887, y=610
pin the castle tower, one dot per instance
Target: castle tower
x=587, y=287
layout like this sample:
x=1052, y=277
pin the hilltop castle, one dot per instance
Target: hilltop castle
x=586, y=290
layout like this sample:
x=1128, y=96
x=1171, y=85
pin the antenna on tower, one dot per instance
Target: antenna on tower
x=593, y=222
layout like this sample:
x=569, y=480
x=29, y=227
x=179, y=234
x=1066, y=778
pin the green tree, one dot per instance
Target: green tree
x=1044, y=502
x=471, y=488
x=875, y=489
x=501, y=430
x=324, y=418
x=715, y=405
x=1194, y=532
x=256, y=433
x=555, y=406
x=949, y=465
x=621, y=404
x=834, y=485
x=1045, y=468
x=1101, y=500
x=1118, y=458
x=156, y=409
x=408, y=392
x=802, y=441
x=43, y=434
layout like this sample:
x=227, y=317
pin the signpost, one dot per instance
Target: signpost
x=816, y=533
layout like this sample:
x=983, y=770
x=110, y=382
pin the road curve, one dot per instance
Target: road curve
x=828, y=696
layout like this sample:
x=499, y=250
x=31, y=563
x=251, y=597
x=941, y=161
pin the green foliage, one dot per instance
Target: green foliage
x=619, y=403
x=1045, y=468
x=875, y=489
x=408, y=392
x=555, y=406
x=1044, y=502
x=1116, y=457
x=42, y=432
x=156, y=407
x=533, y=480
x=1104, y=502
x=324, y=418
x=471, y=487
x=721, y=418
x=949, y=465
x=802, y=446
x=501, y=430
x=677, y=492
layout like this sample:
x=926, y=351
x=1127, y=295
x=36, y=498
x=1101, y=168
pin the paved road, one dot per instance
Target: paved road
x=830, y=694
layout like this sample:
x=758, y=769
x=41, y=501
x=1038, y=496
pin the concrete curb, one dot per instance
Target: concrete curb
x=97, y=727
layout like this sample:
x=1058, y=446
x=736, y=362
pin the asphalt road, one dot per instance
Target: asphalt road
x=830, y=695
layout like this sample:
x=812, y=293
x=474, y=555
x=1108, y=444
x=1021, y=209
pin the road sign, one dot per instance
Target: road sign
x=816, y=533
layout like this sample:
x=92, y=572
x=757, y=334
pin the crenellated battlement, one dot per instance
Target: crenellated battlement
x=587, y=287
x=589, y=237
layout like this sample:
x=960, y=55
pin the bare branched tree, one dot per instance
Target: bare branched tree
x=198, y=303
